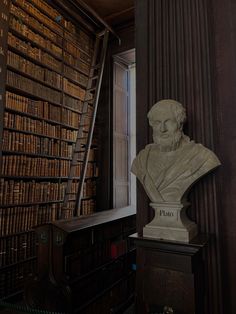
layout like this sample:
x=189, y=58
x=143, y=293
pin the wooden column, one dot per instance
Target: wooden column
x=174, y=60
x=224, y=35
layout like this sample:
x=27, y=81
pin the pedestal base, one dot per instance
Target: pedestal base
x=173, y=234
x=170, y=223
x=170, y=275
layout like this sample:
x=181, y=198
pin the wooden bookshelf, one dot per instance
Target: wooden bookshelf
x=45, y=61
x=91, y=257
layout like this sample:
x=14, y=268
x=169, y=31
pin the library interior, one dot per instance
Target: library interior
x=77, y=81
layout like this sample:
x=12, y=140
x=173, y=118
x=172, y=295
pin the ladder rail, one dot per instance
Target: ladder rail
x=97, y=80
x=91, y=129
x=79, y=134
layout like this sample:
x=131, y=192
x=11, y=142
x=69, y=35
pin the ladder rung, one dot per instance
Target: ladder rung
x=74, y=164
x=94, y=77
x=97, y=66
x=91, y=99
x=89, y=102
x=91, y=89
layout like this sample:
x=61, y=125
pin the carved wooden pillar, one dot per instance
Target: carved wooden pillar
x=173, y=52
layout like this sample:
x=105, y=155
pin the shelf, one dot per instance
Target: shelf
x=32, y=133
x=7, y=152
x=13, y=295
x=72, y=96
x=3, y=268
x=45, y=12
x=63, y=27
x=35, y=178
x=17, y=4
x=17, y=234
x=42, y=119
x=75, y=82
x=34, y=44
x=33, y=60
x=28, y=94
x=38, y=32
x=21, y=113
x=76, y=68
x=88, y=197
x=72, y=109
x=30, y=204
x=50, y=28
x=69, y=126
x=20, y=72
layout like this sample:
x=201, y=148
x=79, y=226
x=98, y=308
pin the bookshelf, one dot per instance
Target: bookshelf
x=45, y=61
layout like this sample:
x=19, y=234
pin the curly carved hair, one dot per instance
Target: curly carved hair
x=175, y=106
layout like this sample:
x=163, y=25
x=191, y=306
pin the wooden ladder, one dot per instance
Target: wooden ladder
x=82, y=144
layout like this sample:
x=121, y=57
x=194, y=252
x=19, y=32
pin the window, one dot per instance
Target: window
x=124, y=129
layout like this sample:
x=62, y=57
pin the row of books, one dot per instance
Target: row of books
x=31, y=125
x=49, y=77
x=17, y=248
x=76, y=52
x=77, y=63
x=68, y=134
x=73, y=89
x=23, y=192
x=50, y=10
x=72, y=46
x=70, y=118
x=41, y=127
x=35, y=24
x=92, y=170
x=34, y=52
x=84, y=260
x=27, y=143
x=33, y=144
x=20, y=82
x=14, y=220
x=44, y=19
x=38, y=108
x=75, y=75
x=45, y=110
x=87, y=207
x=73, y=103
x=12, y=280
x=81, y=39
x=72, y=33
x=89, y=188
x=17, y=25
x=24, y=166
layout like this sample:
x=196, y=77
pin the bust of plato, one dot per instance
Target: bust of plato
x=168, y=167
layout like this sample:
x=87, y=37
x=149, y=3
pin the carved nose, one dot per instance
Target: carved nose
x=163, y=127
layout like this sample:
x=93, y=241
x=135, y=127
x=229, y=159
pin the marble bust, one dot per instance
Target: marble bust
x=168, y=167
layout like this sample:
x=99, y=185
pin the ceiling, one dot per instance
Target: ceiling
x=114, y=12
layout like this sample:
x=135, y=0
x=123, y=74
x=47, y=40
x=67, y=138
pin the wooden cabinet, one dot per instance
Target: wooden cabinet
x=170, y=274
x=84, y=264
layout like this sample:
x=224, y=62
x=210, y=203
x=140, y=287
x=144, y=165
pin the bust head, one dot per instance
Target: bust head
x=166, y=118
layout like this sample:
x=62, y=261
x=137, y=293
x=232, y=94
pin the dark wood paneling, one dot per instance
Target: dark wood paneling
x=223, y=18
x=174, y=56
x=170, y=273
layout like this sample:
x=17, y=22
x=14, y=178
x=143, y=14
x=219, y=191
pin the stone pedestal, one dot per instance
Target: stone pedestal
x=170, y=223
